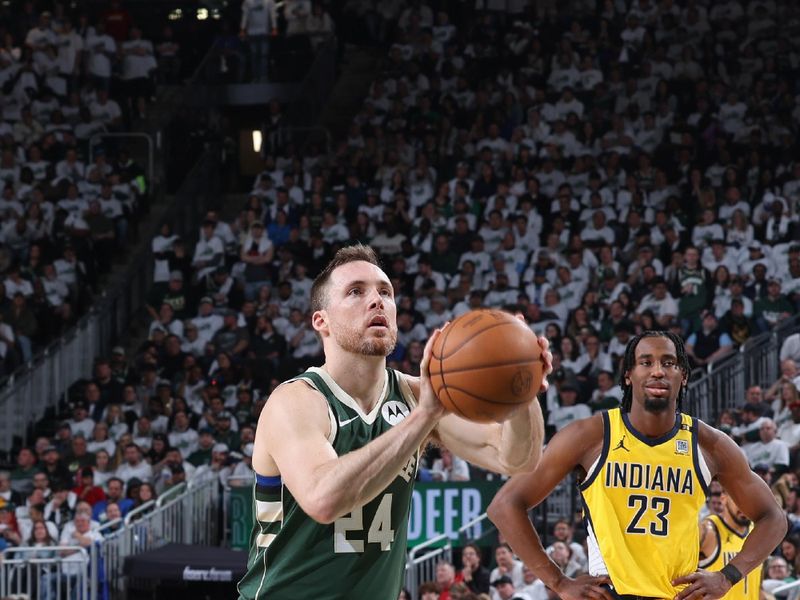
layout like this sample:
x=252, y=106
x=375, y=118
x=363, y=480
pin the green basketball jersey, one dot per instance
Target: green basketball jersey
x=361, y=556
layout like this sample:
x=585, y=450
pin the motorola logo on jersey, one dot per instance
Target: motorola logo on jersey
x=393, y=412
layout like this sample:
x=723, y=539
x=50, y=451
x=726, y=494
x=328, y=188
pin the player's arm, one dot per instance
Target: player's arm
x=754, y=498
x=509, y=509
x=709, y=542
x=293, y=432
x=511, y=447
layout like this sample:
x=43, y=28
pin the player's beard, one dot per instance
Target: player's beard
x=352, y=340
x=741, y=521
x=656, y=405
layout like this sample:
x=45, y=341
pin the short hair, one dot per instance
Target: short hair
x=428, y=587
x=345, y=255
x=630, y=358
x=475, y=547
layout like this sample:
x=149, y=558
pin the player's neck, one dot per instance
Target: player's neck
x=362, y=377
x=652, y=424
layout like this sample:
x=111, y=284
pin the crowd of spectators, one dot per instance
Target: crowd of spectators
x=629, y=166
x=66, y=209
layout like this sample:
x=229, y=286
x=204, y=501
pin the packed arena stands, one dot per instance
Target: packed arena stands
x=602, y=168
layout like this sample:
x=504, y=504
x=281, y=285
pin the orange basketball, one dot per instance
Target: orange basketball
x=485, y=364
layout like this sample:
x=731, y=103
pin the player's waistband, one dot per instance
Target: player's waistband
x=627, y=596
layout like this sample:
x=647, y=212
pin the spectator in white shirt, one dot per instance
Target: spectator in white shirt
x=259, y=22
x=660, y=302
x=138, y=64
x=101, y=49
x=769, y=450
x=449, y=467
x=134, y=466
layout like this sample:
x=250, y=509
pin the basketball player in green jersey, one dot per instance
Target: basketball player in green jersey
x=337, y=447
x=645, y=468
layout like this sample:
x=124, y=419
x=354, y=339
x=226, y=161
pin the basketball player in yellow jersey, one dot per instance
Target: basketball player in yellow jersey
x=644, y=468
x=721, y=539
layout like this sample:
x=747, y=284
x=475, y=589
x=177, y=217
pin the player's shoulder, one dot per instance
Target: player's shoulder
x=582, y=434
x=296, y=396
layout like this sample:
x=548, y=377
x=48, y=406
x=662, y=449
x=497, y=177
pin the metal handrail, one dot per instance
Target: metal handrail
x=171, y=493
x=139, y=510
x=39, y=549
x=110, y=524
x=786, y=587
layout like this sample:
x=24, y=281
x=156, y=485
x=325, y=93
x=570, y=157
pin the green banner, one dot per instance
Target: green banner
x=445, y=507
x=436, y=508
x=240, y=516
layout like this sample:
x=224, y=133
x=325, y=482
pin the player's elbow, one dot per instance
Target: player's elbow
x=500, y=506
x=321, y=509
x=324, y=507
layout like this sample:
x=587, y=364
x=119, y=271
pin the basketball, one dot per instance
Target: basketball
x=485, y=364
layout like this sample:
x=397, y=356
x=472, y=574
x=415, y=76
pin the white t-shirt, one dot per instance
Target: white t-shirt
x=136, y=65
x=142, y=471
x=772, y=453
x=98, y=46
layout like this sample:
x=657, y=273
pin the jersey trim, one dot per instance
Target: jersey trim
x=700, y=466
x=652, y=441
x=267, y=480
x=597, y=466
x=596, y=562
x=733, y=531
x=348, y=400
x=717, y=549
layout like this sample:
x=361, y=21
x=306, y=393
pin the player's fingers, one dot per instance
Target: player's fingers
x=695, y=594
x=691, y=592
x=597, y=592
x=426, y=353
x=548, y=361
x=520, y=316
x=690, y=578
x=544, y=343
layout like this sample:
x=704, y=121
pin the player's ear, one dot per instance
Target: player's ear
x=319, y=321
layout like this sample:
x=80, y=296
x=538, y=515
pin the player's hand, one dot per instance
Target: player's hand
x=547, y=356
x=702, y=584
x=547, y=360
x=427, y=397
x=583, y=586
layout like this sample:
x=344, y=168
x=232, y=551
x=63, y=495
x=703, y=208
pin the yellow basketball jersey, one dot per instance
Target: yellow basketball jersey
x=641, y=500
x=729, y=543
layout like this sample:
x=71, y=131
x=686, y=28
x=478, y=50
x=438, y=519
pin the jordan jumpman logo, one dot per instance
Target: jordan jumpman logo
x=621, y=445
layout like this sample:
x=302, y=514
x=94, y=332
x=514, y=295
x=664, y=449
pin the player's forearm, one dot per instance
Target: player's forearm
x=767, y=533
x=357, y=477
x=520, y=444
x=511, y=517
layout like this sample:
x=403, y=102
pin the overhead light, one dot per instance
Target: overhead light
x=175, y=15
x=256, y=140
x=202, y=14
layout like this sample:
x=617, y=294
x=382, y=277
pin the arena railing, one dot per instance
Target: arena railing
x=421, y=567
x=723, y=384
x=27, y=394
x=46, y=573
x=188, y=516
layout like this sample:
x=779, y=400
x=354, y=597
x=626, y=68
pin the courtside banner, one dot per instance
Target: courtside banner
x=445, y=507
x=436, y=508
